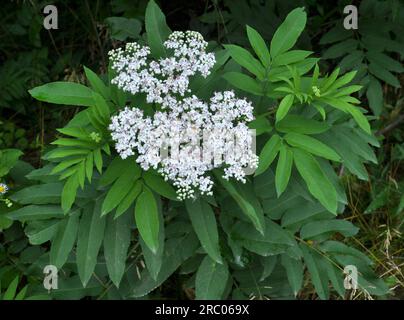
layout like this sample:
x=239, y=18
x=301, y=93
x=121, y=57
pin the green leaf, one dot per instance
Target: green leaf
x=211, y=279
x=374, y=93
x=360, y=118
x=288, y=32
x=383, y=74
x=65, y=238
x=259, y=46
x=283, y=169
x=114, y=170
x=98, y=159
x=284, y=107
x=335, y=275
x=89, y=166
x=116, y=244
x=351, y=60
x=204, y=222
x=268, y=154
x=147, y=220
x=156, y=29
x=294, y=272
x=96, y=83
x=21, y=294
x=8, y=159
x=120, y=189
x=90, y=236
x=123, y=28
x=39, y=194
x=350, y=159
x=246, y=60
x=316, y=269
x=11, y=290
x=176, y=252
x=69, y=192
x=65, y=152
x=247, y=202
x=34, y=212
x=302, y=125
x=261, y=125
x=315, y=228
x=384, y=61
x=273, y=241
x=317, y=182
x=269, y=264
x=69, y=93
x=341, y=81
x=41, y=231
x=311, y=145
x=63, y=165
x=159, y=185
x=154, y=261
x=243, y=82
x=101, y=107
x=290, y=57
x=340, y=49
x=129, y=198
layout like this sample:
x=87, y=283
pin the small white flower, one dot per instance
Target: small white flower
x=3, y=188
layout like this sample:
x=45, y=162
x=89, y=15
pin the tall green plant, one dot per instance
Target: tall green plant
x=249, y=239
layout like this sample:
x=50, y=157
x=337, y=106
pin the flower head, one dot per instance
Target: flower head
x=3, y=188
x=188, y=137
x=138, y=73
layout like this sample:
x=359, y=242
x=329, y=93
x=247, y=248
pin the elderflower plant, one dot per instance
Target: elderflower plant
x=188, y=137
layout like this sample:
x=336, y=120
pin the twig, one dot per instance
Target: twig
x=391, y=126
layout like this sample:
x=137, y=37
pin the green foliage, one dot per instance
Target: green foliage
x=119, y=232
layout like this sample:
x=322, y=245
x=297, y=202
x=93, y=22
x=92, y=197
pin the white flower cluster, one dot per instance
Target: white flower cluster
x=159, y=79
x=189, y=137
